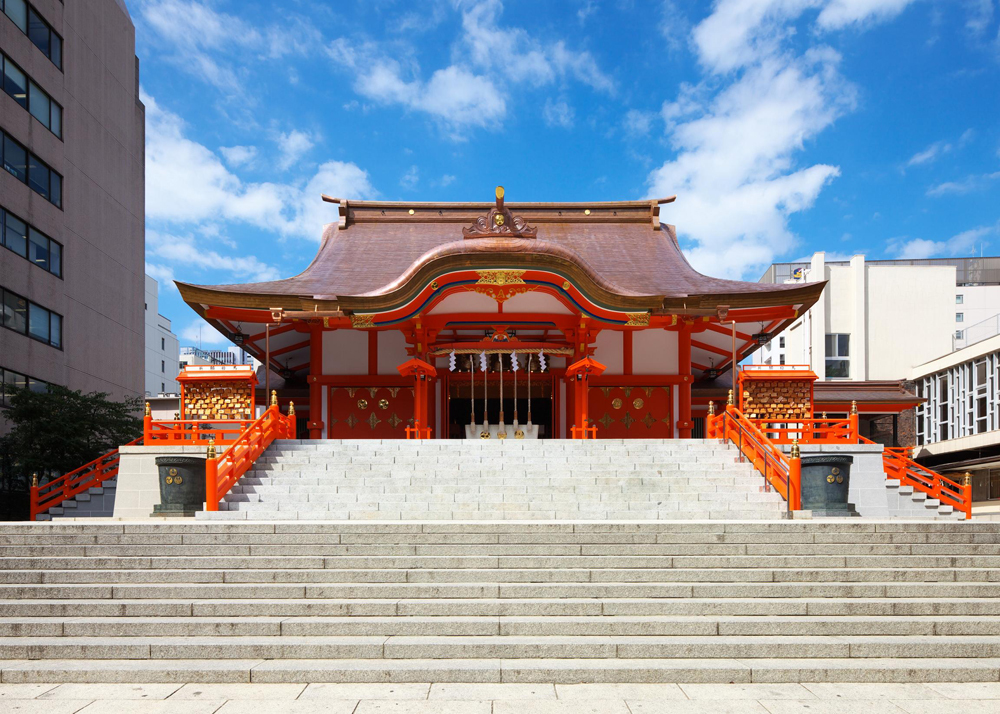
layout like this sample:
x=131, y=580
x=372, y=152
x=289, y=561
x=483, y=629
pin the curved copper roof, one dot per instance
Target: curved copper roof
x=618, y=251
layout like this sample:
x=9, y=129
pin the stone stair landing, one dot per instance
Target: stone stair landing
x=603, y=479
x=720, y=601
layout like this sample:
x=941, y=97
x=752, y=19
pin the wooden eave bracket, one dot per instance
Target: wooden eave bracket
x=341, y=207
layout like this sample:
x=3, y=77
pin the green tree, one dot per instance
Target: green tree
x=55, y=432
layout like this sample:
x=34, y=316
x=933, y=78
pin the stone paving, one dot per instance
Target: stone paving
x=938, y=698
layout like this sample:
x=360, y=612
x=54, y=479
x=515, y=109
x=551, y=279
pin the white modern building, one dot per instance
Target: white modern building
x=162, y=349
x=958, y=426
x=878, y=319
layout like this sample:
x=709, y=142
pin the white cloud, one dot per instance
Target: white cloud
x=638, y=123
x=162, y=274
x=740, y=32
x=453, y=95
x=184, y=250
x=238, y=155
x=929, y=154
x=558, y=114
x=186, y=183
x=520, y=57
x=200, y=334
x=214, y=46
x=411, y=178
x=980, y=15
x=734, y=174
x=955, y=247
x=967, y=185
x=293, y=146
x=447, y=180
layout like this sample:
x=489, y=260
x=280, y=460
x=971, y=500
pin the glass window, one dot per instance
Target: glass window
x=839, y=368
x=958, y=334
x=38, y=31
x=781, y=342
x=959, y=299
x=56, y=326
x=781, y=359
x=55, y=258
x=56, y=125
x=38, y=248
x=55, y=187
x=15, y=312
x=38, y=176
x=838, y=348
x=12, y=381
x=163, y=365
x=37, y=385
x=17, y=11
x=15, y=159
x=14, y=83
x=959, y=317
x=56, y=53
x=38, y=323
x=16, y=235
x=39, y=104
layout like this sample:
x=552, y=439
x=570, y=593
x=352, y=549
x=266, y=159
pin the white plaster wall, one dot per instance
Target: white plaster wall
x=609, y=351
x=654, y=352
x=345, y=352
x=911, y=317
x=465, y=302
x=391, y=352
x=839, y=299
x=535, y=302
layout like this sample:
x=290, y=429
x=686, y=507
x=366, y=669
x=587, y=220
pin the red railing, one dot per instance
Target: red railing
x=192, y=432
x=223, y=471
x=812, y=431
x=783, y=472
x=77, y=481
x=900, y=466
x=418, y=432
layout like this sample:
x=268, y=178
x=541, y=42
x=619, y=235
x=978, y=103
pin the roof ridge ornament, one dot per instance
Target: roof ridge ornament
x=500, y=223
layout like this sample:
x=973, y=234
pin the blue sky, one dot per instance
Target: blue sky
x=783, y=126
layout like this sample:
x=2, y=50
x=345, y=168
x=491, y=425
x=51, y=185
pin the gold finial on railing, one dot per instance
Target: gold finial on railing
x=177, y=416
x=711, y=408
x=34, y=480
x=854, y=407
x=274, y=397
x=291, y=408
x=148, y=411
x=796, y=453
x=967, y=479
x=730, y=400
x=823, y=415
x=211, y=446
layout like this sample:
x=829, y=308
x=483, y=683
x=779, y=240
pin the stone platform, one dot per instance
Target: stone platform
x=500, y=602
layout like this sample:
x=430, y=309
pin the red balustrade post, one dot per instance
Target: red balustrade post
x=854, y=423
x=290, y=422
x=967, y=495
x=795, y=478
x=211, y=478
x=147, y=424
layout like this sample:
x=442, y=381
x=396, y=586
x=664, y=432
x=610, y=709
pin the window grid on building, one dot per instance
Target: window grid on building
x=23, y=90
x=39, y=31
x=28, y=318
x=30, y=243
x=963, y=400
x=10, y=381
x=31, y=170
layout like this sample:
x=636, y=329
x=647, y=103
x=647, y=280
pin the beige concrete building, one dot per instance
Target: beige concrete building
x=71, y=197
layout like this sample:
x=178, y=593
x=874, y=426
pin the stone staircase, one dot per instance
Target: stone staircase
x=95, y=502
x=647, y=479
x=659, y=601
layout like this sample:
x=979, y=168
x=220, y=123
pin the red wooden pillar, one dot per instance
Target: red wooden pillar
x=315, y=424
x=579, y=374
x=423, y=374
x=684, y=422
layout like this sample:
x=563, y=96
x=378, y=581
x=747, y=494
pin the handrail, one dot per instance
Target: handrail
x=784, y=473
x=810, y=431
x=223, y=471
x=417, y=431
x=193, y=432
x=90, y=475
x=899, y=466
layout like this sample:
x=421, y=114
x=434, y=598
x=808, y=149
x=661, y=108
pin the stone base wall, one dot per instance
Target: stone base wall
x=138, y=480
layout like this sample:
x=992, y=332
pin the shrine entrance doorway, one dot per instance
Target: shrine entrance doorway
x=468, y=396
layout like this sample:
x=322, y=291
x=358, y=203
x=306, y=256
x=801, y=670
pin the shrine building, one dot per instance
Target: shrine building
x=494, y=320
